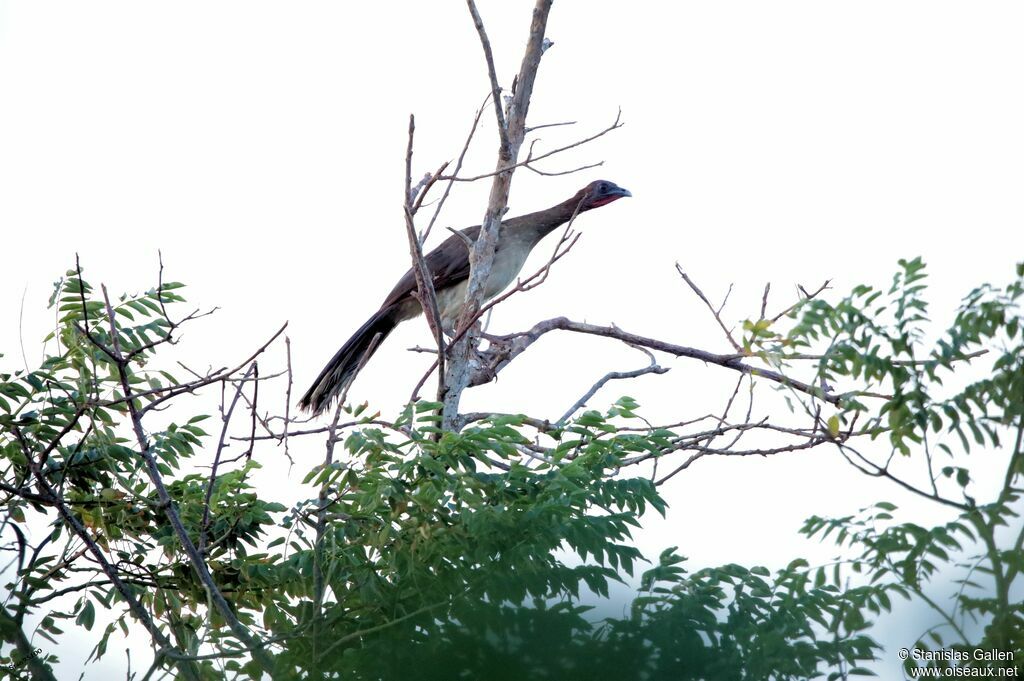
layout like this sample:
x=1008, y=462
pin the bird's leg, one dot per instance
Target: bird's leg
x=475, y=334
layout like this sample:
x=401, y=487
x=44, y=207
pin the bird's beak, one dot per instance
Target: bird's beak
x=625, y=192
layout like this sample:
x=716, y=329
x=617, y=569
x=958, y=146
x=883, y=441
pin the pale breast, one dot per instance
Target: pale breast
x=508, y=262
x=449, y=303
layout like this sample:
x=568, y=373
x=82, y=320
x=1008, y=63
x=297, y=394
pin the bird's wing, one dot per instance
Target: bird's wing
x=448, y=263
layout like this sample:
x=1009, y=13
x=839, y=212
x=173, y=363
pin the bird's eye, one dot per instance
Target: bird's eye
x=603, y=188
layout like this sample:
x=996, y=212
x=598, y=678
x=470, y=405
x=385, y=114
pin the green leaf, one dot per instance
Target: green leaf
x=833, y=425
x=87, y=616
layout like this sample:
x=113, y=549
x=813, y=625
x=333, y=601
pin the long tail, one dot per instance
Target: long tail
x=346, y=363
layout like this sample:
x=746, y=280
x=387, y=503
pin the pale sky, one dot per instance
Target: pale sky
x=261, y=147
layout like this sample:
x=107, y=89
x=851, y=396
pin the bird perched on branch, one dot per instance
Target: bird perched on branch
x=449, y=268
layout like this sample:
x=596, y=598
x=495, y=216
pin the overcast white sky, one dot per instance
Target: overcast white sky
x=260, y=146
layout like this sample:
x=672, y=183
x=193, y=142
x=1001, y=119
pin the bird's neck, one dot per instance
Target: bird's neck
x=543, y=222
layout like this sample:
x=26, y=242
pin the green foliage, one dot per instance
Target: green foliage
x=881, y=337
x=455, y=570
x=66, y=434
x=904, y=558
x=482, y=554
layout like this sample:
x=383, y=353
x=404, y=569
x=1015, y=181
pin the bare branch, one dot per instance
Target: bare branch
x=504, y=169
x=458, y=167
x=571, y=171
x=424, y=281
x=764, y=299
x=287, y=397
x=705, y=451
x=415, y=396
x=462, y=237
x=169, y=392
x=531, y=128
x=518, y=342
x=481, y=257
x=807, y=296
x=869, y=467
x=423, y=188
x=700, y=294
x=485, y=43
x=417, y=191
x=326, y=429
x=611, y=375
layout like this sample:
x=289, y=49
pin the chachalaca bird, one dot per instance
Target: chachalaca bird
x=449, y=267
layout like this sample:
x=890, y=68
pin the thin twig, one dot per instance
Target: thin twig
x=715, y=313
x=221, y=444
x=175, y=390
x=531, y=128
x=522, y=340
x=651, y=368
x=512, y=166
x=425, y=292
x=458, y=167
x=485, y=43
x=548, y=173
x=705, y=451
x=807, y=296
x=288, y=398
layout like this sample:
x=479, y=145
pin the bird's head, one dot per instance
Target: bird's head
x=599, y=193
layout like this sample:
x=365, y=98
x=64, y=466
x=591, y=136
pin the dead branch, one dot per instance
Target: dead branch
x=287, y=397
x=168, y=392
x=652, y=368
x=529, y=166
x=424, y=281
x=705, y=451
x=519, y=342
x=531, y=128
x=556, y=173
x=481, y=258
x=533, y=159
x=326, y=429
x=716, y=313
x=485, y=43
x=458, y=167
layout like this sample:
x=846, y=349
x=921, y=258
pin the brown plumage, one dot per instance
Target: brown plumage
x=449, y=267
